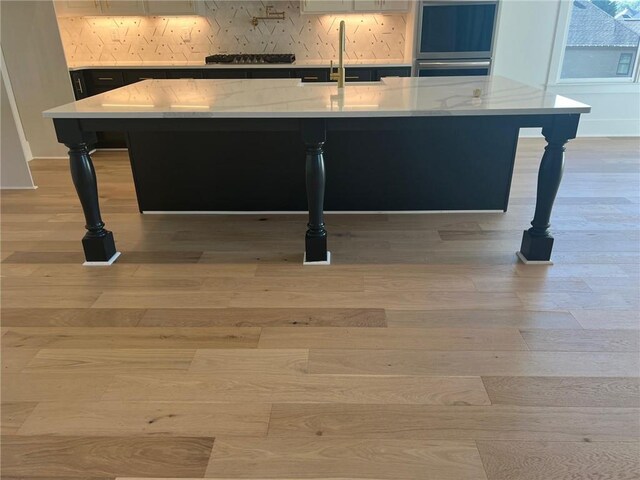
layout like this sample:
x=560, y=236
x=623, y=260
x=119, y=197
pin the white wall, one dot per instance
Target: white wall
x=37, y=69
x=14, y=170
x=528, y=49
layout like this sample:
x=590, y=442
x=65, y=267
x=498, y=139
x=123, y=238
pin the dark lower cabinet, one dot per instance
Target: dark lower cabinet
x=392, y=72
x=358, y=75
x=270, y=73
x=133, y=76
x=226, y=73
x=95, y=81
x=180, y=73
x=312, y=75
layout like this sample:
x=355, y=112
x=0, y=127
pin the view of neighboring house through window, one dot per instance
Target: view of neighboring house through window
x=603, y=39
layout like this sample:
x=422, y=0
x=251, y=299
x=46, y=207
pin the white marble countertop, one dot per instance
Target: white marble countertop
x=290, y=98
x=201, y=65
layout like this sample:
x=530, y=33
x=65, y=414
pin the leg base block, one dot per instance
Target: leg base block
x=315, y=248
x=99, y=249
x=103, y=264
x=319, y=262
x=524, y=260
x=536, y=249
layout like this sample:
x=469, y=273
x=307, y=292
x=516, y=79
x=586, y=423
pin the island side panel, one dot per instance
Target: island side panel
x=443, y=163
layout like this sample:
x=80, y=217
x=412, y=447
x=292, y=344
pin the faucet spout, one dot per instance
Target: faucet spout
x=340, y=74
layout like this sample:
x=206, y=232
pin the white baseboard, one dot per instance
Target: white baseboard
x=33, y=187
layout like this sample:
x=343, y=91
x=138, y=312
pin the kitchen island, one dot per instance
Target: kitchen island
x=397, y=141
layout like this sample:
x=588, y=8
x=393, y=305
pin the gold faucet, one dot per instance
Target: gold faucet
x=339, y=75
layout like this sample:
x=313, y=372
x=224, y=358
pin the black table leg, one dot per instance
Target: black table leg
x=313, y=132
x=537, y=242
x=98, y=243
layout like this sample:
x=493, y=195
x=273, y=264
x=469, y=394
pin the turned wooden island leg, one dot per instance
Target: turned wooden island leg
x=99, y=246
x=537, y=242
x=313, y=132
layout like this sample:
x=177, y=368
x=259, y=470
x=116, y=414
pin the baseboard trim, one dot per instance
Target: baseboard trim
x=33, y=187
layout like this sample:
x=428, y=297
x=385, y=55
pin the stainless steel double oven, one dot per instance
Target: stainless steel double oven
x=455, y=37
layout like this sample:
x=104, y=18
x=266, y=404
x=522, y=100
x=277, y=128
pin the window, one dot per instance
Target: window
x=602, y=41
x=624, y=64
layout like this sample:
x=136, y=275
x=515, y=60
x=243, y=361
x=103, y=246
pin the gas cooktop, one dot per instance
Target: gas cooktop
x=252, y=58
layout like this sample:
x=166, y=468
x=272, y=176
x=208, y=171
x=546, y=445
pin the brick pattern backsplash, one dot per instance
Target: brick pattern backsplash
x=227, y=28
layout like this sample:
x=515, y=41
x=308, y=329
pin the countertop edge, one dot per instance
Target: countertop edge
x=233, y=66
x=389, y=114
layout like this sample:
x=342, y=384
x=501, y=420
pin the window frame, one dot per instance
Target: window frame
x=628, y=64
x=559, y=47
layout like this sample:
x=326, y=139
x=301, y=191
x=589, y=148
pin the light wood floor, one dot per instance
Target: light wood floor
x=424, y=352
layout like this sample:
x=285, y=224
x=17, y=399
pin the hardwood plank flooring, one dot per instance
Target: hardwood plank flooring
x=496, y=422
x=105, y=457
x=560, y=460
x=110, y=360
x=481, y=319
x=400, y=338
x=156, y=418
x=271, y=388
x=494, y=363
x=425, y=351
x=265, y=317
x=564, y=391
x=329, y=458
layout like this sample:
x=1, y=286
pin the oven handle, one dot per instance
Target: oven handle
x=438, y=65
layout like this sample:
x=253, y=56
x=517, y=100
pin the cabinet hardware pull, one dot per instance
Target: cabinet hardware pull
x=310, y=78
x=79, y=83
x=105, y=78
x=352, y=78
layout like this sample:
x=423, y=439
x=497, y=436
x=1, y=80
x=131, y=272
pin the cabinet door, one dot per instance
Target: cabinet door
x=393, y=72
x=271, y=73
x=312, y=74
x=358, y=75
x=78, y=7
x=394, y=5
x=133, y=76
x=367, y=5
x=79, y=85
x=226, y=73
x=172, y=7
x=326, y=6
x=381, y=5
x=122, y=7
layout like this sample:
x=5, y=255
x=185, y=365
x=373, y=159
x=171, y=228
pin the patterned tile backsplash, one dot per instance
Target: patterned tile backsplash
x=227, y=28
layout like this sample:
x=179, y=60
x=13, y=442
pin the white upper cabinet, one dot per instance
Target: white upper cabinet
x=367, y=5
x=337, y=6
x=99, y=7
x=122, y=7
x=171, y=7
x=326, y=6
x=78, y=7
x=381, y=5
